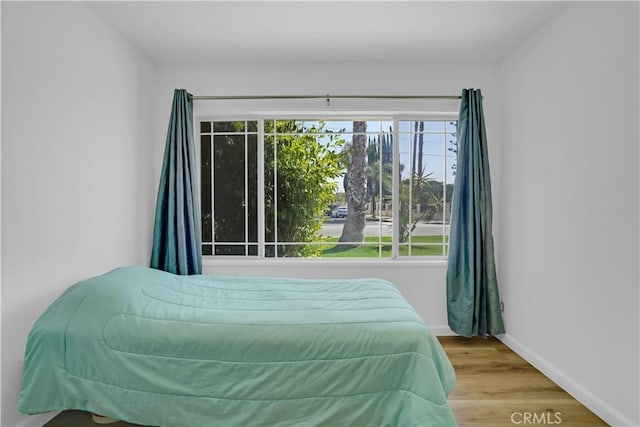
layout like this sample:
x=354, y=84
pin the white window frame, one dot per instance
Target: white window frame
x=260, y=117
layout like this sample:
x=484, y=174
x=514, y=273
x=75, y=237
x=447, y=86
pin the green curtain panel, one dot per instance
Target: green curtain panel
x=473, y=301
x=177, y=244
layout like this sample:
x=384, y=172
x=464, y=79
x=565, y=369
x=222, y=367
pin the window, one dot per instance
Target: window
x=338, y=188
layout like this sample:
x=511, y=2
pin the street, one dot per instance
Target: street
x=332, y=227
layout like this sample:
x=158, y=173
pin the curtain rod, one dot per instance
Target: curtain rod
x=327, y=97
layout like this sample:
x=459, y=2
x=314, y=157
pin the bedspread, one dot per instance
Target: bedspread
x=154, y=348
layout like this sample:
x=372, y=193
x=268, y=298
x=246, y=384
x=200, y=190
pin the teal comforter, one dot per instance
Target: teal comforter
x=153, y=348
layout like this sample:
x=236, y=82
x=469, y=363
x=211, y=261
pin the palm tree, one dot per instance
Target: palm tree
x=420, y=148
x=379, y=182
x=355, y=186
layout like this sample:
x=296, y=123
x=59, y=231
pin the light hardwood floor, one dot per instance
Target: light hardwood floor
x=494, y=388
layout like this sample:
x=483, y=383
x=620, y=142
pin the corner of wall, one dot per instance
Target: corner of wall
x=565, y=282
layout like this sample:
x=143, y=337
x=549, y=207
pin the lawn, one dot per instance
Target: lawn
x=432, y=246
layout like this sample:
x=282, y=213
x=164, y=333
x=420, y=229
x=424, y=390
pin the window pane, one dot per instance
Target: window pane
x=374, y=126
x=269, y=188
x=228, y=127
x=268, y=126
x=362, y=250
x=376, y=164
x=302, y=174
x=230, y=250
x=205, y=127
x=337, y=126
x=452, y=153
x=433, y=126
x=252, y=126
x=205, y=156
x=306, y=126
x=229, y=186
x=424, y=197
x=423, y=249
x=433, y=144
x=252, y=188
x=287, y=126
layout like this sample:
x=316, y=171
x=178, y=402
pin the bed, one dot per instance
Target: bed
x=153, y=348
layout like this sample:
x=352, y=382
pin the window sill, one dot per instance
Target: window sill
x=219, y=261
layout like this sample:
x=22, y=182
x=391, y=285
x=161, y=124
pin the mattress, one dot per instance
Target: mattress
x=153, y=348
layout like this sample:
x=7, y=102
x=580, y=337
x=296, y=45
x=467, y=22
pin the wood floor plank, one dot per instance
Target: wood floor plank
x=512, y=412
x=495, y=387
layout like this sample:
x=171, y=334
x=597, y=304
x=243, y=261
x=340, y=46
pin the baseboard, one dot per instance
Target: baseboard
x=37, y=420
x=580, y=393
x=441, y=330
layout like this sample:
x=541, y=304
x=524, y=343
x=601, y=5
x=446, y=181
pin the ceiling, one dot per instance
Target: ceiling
x=238, y=31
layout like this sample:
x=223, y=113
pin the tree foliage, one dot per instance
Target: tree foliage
x=300, y=179
x=453, y=147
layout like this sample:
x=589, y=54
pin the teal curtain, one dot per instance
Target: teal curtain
x=473, y=301
x=177, y=240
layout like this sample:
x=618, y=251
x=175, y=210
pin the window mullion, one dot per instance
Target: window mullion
x=395, y=194
x=380, y=184
x=261, y=202
x=275, y=189
x=213, y=185
x=444, y=190
x=412, y=174
x=246, y=189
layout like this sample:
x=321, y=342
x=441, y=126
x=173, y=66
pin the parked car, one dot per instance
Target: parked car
x=329, y=209
x=340, y=212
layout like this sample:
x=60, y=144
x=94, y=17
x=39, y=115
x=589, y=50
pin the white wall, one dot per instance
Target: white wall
x=569, y=204
x=422, y=283
x=77, y=195
x=80, y=109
